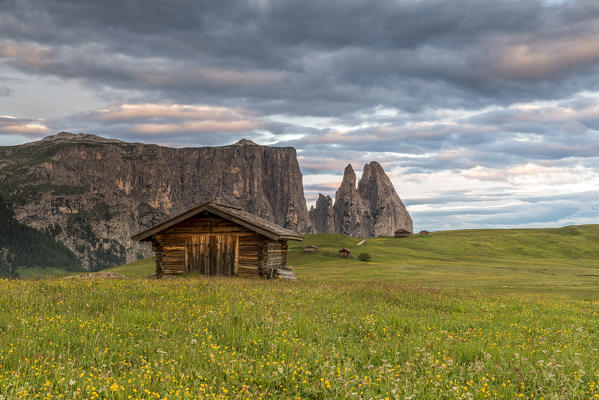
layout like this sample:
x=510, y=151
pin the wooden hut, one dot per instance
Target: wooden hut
x=215, y=239
x=311, y=249
x=345, y=252
x=400, y=233
x=424, y=233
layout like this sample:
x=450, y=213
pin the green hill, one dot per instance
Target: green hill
x=136, y=269
x=565, y=260
x=528, y=330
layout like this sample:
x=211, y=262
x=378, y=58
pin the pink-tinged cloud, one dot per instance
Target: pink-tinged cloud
x=330, y=186
x=555, y=112
x=126, y=112
x=158, y=119
x=27, y=55
x=541, y=58
x=15, y=126
x=195, y=126
x=319, y=164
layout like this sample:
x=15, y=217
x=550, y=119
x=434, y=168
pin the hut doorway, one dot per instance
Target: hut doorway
x=212, y=254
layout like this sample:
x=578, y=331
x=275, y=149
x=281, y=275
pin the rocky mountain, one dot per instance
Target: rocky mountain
x=322, y=217
x=92, y=194
x=349, y=205
x=369, y=209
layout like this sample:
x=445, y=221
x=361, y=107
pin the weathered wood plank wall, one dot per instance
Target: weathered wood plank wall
x=188, y=246
x=276, y=254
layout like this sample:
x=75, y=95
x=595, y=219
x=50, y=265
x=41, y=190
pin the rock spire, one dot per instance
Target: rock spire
x=369, y=209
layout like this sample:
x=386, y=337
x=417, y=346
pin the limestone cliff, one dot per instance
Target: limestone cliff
x=349, y=207
x=93, y=193
x=369, y=209
x=321, y=216
x=386, y=212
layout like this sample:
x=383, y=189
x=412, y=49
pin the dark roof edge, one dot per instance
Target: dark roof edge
x=146, y=234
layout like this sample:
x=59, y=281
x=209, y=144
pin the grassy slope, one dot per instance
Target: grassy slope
x=136, y=269
x=32, y=273
x=325, y=336
x=564, y=260
x=221, y=338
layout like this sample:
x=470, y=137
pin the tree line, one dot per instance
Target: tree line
x=23, y=246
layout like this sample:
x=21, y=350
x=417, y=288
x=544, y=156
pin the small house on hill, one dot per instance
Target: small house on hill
x=400, y=233
x=215, y=239
x=311, y=249
x=345, y=252
x=424, y=233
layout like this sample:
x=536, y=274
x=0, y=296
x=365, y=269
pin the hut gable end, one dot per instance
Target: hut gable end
x=218, y=240
x=233, y=214
x=206, y=223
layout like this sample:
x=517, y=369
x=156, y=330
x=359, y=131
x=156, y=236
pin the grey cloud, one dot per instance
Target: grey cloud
x=323, y=187
x=24, y=127
x=407, y=83
x=4, y=91
x=304, y=58
x=462, y=196
x=463, y=212
x=540, y=213
x=559, y=211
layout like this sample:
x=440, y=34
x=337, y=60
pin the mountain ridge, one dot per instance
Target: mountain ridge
x=101, y=191
x=93, y=193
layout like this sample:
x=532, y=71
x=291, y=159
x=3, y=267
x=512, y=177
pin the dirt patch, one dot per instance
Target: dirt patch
x=101, y=275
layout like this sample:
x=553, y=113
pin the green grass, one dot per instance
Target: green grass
x=30, y=273
x=562, y=261
x=136, y=269
x=251, y=338
x=510, y=314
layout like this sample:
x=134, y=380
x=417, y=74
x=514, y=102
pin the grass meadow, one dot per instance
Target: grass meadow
x=456, y=315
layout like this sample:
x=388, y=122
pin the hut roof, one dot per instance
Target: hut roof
x=345, y=249
x=402, y=231
x=311, y=247
x=233, y=214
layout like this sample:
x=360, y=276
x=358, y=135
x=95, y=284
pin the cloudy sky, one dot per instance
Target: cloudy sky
x=484, y=113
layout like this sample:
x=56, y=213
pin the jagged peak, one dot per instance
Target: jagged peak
x=324, y=197
x=324, y=201
x=373, y=165
x=373, y=169
x=374, y=209
x=374, y=174
x=349, y=176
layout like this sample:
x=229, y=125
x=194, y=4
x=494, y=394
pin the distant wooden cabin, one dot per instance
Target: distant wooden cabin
x=345, y=253
x=400, y=233
x=215, y=239
x=311, y=249
x=424, y=233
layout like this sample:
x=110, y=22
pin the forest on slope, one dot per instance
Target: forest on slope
x=22, y=246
